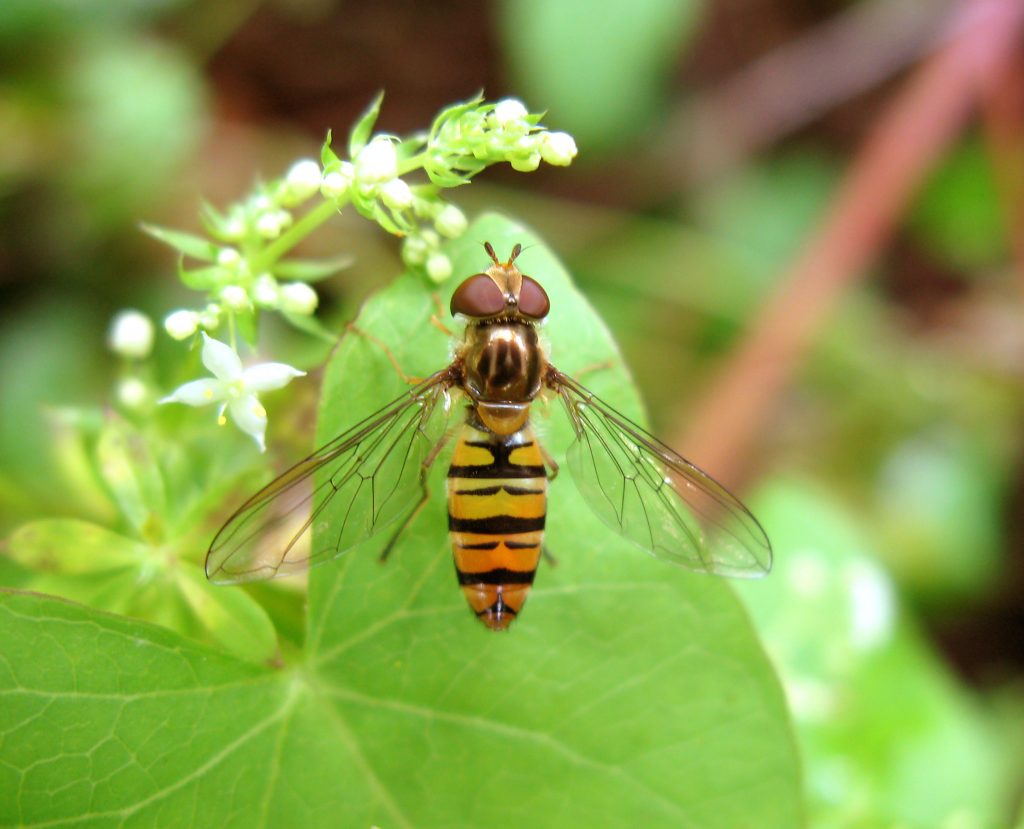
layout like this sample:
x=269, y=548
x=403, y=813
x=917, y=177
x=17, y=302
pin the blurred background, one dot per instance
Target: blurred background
x=803, y=221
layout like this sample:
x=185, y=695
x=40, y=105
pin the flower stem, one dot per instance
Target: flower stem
x=295, y=234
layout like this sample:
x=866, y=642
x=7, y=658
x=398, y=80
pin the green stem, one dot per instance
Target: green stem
x=412, y=163
x=295, y=234
x=231, y=331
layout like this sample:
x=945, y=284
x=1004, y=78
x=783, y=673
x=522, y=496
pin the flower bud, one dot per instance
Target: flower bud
x=525, y=163
x=509, y=112
x=377, y=161
x=209, y=317
x=298, y=298
x=302, y=180
x=131, y=334
x=450, y=222
x=265, y=291
x=228, y=257
x=439, y=266
x=558, y=148
x=414, y=250
x=132, y=393
x=396, y=194
x=234, y=297
x=181, y=324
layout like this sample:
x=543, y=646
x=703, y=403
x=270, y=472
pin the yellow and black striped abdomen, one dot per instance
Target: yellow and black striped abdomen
x=497, y=501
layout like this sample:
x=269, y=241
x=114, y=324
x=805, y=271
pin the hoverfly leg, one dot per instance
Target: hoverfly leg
x=549, y=462
x=604, y=365
x=438, y=315
x=424, y=472
x=412, y=381
x=550, y=559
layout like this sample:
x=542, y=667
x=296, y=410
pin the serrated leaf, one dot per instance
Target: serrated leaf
x=67, y=545
x=364, y=127
x=312, y=270
x=195, y=246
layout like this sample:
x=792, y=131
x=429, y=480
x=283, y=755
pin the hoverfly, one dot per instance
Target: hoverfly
x=369, y=476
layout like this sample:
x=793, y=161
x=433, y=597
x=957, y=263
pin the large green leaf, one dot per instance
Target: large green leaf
x=629, y=693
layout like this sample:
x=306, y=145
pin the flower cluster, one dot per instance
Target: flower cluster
x=243, y=266
x=463, y=140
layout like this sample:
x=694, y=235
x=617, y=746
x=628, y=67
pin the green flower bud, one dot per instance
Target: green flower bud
x=298, y=298
x=451, y=222
x=396, y=194
x=558, y=148
x=131, y=334
x=302, y=180
x=439, y=267
x=181, y=324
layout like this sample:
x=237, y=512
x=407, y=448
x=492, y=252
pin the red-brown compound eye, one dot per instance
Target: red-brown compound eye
x=478, y=296
x=533, y=299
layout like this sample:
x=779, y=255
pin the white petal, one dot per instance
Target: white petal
x=268, y=376
x=197, y=393
x=250, y=416
x=221, y=359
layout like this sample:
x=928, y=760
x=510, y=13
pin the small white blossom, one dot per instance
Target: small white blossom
x=558, y=148
x=131, y=334
x=298, y=298
x=181, y=324
x=396, y=194
x=451, y=222
x=509, y=111
x=439, y=266
x=377, y=161
x=265, y=291
x=234, y=297
x=262, y=203
x=302, y=180
x=234, y=388
x=132, y=393
x=228, y=257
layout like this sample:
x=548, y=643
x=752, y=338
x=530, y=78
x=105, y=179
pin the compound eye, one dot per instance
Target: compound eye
x=533, y=299
x=478, y=296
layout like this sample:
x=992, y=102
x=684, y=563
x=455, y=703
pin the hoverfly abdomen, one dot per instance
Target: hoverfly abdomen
x=497, y=505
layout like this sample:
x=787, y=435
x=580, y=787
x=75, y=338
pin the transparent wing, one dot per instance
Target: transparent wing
x=653, y=496
x=339, y=496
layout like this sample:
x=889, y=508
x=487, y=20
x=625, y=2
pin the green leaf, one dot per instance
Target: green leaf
x=67, y=545
x=630, y=692
x=200, y=279
x=233, y=618
x=312, y=270
x=364, y=127
x=195, y=246
x=327, y=156
x=311, y=325
x=619, y=667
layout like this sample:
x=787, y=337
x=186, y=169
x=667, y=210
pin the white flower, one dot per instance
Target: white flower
x=377, y=161
x=302, y=180
x=298, y=298
x=558, y=148
x=439, y=266
x=234, y=388
x=396, y=194
x=181, y=324
x=509, y=112
x=450, y=222
x=268, y=225
x=131, y=334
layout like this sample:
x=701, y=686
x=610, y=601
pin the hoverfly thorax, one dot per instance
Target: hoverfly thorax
x=502, y=359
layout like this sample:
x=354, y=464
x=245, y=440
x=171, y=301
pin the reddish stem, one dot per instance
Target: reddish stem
x=909, y=138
